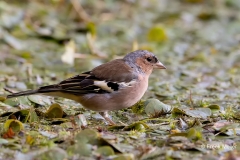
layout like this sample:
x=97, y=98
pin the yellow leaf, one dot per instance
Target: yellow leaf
x=55, y=111
x=92, y=29
x=29, y=140
x=14, y=124
x=157, y=34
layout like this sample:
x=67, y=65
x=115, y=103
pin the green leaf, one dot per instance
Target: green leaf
x=105, y=151
x=126, y=156
x=3, y=141
x=82, y=149
x=41, y=100
x=153, y=107
x=54, y=154
x=14, y=124
x=196, y=112
x=214, y=107
x=11, y=102
x=233, y=131
x=32, y=116
x=5, y=105
x=194, y=134
x=86, y=135
x=138, y=126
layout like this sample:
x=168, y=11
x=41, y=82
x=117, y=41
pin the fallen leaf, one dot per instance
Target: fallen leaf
x=69, y=54
x=54, y=111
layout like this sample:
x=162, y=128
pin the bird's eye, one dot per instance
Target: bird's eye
x=149, y=59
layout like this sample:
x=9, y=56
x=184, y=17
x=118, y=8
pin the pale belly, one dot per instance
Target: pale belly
x=121, y=99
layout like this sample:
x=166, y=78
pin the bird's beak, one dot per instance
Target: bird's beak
x=159, y=65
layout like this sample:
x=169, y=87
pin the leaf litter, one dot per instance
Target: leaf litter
x=191, y=110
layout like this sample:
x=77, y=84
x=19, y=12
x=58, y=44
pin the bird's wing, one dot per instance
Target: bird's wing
x=116, y=71
x=106, y=78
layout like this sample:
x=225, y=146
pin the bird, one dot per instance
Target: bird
x=114, y=85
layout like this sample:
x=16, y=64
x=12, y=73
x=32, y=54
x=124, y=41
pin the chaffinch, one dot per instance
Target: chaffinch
x=114, y=85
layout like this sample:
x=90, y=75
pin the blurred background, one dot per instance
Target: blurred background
x=43, y=42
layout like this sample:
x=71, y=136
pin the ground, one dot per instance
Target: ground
x=191, y=109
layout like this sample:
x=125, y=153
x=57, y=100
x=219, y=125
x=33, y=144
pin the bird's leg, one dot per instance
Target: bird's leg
x=106, y=116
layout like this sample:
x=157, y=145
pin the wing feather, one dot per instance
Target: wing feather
x=106, y=78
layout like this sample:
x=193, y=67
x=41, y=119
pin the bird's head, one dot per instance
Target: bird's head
x=144, y=61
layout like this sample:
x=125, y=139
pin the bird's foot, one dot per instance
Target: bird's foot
x=106, y=116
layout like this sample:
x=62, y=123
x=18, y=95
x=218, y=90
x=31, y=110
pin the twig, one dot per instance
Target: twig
x=8, y=90
x=81, y=12
x=92, y=48
x=190, y=99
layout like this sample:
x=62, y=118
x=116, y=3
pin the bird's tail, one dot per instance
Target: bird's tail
x=23, y=93
x=44, y=89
